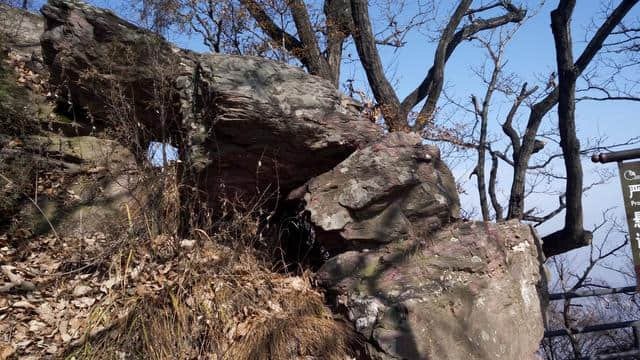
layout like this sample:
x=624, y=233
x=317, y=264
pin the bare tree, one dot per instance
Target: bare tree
x=570, y=313
x=395, y=112
x=573, y=234
x=507, y=84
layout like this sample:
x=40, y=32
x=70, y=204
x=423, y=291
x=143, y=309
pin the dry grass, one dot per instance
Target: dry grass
x=224, y=305
x=210, y=297
x=302, y=333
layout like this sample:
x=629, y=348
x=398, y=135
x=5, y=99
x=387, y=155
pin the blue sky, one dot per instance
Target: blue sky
x=531, y=57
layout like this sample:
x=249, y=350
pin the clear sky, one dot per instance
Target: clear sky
x=531, y=57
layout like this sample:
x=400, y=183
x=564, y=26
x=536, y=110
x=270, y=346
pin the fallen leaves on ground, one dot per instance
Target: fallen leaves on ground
x=75, y=296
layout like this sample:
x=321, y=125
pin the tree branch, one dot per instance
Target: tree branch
x=372, y=64
x=507, y=126
x=317, y=64
x=277, y=34
x=431, y=86
x=540, y=109
x=482, y=112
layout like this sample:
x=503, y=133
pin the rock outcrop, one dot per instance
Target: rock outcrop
x=413, y=281
x=51, y=177
x=82, y=182
x=391, y=190
x=21, y=31
x=242, y=122
x=469, y=292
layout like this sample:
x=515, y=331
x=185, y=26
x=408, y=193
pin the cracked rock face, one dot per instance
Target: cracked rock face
x=390, y=190
x=21, y=30
x=243, y=124
x=471, y=292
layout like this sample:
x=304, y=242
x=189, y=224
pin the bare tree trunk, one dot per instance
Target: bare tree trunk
x=372, y=64
x=340, y=26
x=480, y=166
x=522, y=154
x=311, y=51
x=493, y=178
x=540, y=109
x=573, y=234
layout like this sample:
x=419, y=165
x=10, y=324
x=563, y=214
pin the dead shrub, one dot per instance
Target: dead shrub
x=224, y=305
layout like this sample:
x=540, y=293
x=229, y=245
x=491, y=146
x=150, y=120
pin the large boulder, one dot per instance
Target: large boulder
x=245, y=123
x=390, y=190
x=470, y=291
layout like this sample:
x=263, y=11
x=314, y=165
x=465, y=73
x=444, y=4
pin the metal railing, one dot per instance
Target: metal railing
x=634, y=324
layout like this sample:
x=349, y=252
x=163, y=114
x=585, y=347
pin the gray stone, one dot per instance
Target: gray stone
x=390, y=190
x=20, y=31
x=97, y=178
x=471, y=292
x=243, y=124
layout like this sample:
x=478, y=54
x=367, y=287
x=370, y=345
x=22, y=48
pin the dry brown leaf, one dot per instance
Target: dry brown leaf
x=6, y=350
x=7, y=270
x=46, y=313
x=36, y=326
x=106, y=286
x=52, y=349
x=187, y=244
x=23, y=304
x=61, y=305
x=243, y=328
x=24, y=344
x=62, y=329
x=297, y=283
x=81, y=290
x=83, y=302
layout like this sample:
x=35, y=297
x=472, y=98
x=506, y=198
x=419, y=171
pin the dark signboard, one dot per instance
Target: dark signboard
x=630, y=180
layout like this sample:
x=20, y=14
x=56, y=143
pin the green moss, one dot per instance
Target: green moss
x=63, y=119
x=369, y=270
